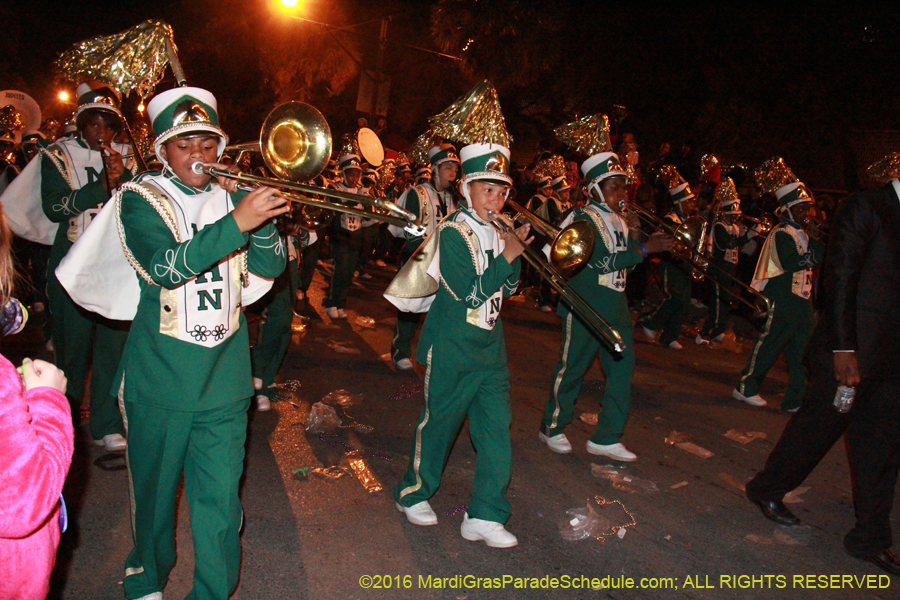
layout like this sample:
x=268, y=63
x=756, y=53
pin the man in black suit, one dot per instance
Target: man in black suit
x=856, y=343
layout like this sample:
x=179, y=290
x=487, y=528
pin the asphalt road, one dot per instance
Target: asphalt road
x=695, y=535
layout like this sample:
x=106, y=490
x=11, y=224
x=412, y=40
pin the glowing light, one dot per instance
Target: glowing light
x=141, y=107
x=289, y=3
x=64, y=95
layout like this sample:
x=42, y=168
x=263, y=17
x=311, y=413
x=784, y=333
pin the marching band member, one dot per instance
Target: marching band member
x=602, y=284
x=430, y=202
x=78, y=175
x=725, y=241
x=463, y=349
x=784, y=275
x=346, y=238
x=676, y=274
x=185, y=379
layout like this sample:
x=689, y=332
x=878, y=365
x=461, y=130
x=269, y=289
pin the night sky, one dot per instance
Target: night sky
x=815, y=83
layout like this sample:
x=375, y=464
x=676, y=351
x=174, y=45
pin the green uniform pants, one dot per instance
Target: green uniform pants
x=450, y=396
x=274, y=335
x=717, y=320
x=78, y=335
x=404, y=330
x=346, y=257
x=579, y=346
x=670, y=314
x=787, y=330
x=208, y=446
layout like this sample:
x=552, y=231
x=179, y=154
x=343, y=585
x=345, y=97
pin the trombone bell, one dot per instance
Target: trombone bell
x=295, y=141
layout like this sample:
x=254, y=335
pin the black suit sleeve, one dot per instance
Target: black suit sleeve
x=851, y=233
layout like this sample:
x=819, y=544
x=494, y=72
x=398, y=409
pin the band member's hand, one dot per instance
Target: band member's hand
x=633, y=221
x=659, y=242
x=229, y=184
x=514, y=243
x=846, y=369
x=114, y=165
x=37, y=373
x=257, y=207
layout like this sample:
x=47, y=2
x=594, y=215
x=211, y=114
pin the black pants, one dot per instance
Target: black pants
x=873, y=435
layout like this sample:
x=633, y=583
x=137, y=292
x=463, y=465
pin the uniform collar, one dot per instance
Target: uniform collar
x=187, y=189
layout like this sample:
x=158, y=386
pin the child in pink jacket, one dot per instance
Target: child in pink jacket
x=36, y=444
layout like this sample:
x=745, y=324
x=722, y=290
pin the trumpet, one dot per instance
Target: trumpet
x=764, y=224
x=816, y=229
x=689, y=240
x=606, y=331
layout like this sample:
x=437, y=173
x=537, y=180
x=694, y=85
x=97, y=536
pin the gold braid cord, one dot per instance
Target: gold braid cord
x=160, y=208
x=57, y=161
x=466, y=234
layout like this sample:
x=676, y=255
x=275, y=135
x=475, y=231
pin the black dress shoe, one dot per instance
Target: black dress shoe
x=775, y=510
x=886, y=561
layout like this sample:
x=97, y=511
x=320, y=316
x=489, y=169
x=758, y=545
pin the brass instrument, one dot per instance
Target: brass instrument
x=689, y=239
x=295, y=142
x=557, y=281
x=816, y=229
x=764, y=224
x=570, y=246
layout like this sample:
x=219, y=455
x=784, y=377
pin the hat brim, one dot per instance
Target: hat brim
x=99, y=106
x=197, y=128
x=489, y=177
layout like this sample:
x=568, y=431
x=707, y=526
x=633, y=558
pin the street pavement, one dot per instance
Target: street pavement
x=306, y=536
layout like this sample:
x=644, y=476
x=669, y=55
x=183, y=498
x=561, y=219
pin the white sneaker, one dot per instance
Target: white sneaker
x=112, y=443
x=546, y=308
x=699, y=340
x=404, y=364
x=418, y=514
x=365, y=276
x=755, y=400
x=674, y=345
x=649, y=333
x=616, y=451
x=491, y=533
x=380, y=263
x=341, y=314
x=719, y=338
x=153, y=596
x=257, y=383
x=559, y=443
x=262, y=403
x=332, y=312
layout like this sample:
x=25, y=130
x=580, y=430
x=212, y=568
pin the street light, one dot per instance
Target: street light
x=289, y=3
x=64, y=95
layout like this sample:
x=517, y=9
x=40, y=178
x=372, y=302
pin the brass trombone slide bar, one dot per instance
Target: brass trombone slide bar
x=705, y=265
x=557, y=281
x=569, y=247
x=403, y=217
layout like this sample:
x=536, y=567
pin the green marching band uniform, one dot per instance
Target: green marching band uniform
x=72, y=194
x=430, y=206
x=464, y=352
x=185, y=379
x=274, y=333
x=784, y=275
x=602, y=284
x=346, y=240
x=676, y=280
x=725, y=241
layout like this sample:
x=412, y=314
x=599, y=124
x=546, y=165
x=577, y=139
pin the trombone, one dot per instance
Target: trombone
x=557, y=280
x=570, y=246
x=764, y=224
x=689, y=240
x=295, y=142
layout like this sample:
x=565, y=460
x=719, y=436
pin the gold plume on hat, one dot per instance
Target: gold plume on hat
x=143, y=137
x=726, y=193
x=707, y=163
x=773, y=174
x=10, y=119
x=475, y=118
x=670, y=177
x=348, y=146
x=418, y=152
x=588, y=135
x=552, y=167
x=134, y=59
x=50, y=128
x=885, y=169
